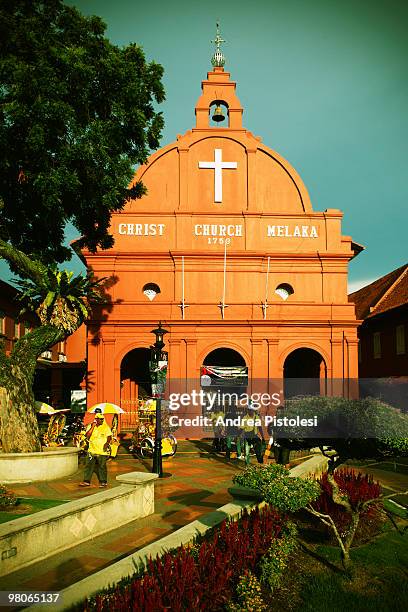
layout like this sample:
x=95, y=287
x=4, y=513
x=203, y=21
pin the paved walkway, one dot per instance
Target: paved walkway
x=195, y=483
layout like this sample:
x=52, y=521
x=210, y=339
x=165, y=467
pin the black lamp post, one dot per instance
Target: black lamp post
x=157, y=356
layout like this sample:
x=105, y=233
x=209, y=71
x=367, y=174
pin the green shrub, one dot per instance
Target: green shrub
x=354, y=428
x=278, y=488
x=256, y=476
x=7, y=498
x=248, y=595
x=274, y=563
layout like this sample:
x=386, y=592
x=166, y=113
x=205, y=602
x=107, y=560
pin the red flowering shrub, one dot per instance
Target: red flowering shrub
x=203, y=579
x=358, y=488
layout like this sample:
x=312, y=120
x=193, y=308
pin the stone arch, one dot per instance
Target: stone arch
x=224, y=370
x=304, y=372
x=224, y=356
x=225, y=345
x=303, y=345
x=135, y=382
x=126, y=349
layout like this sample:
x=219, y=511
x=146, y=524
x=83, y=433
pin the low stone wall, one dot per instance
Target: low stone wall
x=50, y=464
x=313, y=467
x=23, y=541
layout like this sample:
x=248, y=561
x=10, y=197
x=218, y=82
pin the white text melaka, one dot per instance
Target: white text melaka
x=141, y=229
x=298, y=231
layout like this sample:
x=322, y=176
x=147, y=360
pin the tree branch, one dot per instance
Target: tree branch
x=28, y=268
x=381, y=498
x=328, y=521
x=391, y=518
x=36, y=342
x=338, y=497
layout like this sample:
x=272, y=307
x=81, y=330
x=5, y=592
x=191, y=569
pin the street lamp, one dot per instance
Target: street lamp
x=158, y=370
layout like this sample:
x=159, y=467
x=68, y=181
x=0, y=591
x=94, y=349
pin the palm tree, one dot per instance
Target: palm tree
x=62, y=303
x=61, y=299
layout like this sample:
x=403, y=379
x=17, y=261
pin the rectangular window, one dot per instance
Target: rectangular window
x=400, y=339
x=16, y=329
x=2, y=323
x=377, y=345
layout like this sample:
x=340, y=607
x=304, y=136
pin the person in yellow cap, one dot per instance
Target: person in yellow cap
x=99, y=435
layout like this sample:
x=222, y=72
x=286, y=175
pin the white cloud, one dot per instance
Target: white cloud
x=358, y=284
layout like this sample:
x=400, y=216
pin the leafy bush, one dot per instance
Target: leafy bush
x=256, y=477
x=248, y=595
x=355, y=429
x=278, y=488
x=274, y=563
x=203, y=578
x=7, y=498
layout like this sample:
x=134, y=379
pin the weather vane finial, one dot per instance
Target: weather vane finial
x=218, y=58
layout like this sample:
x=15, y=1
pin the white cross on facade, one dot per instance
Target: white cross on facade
x=218, y=166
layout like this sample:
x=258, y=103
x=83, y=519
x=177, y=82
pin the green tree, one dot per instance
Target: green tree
x=77, y=113
x=290, y=494
x=346, y=428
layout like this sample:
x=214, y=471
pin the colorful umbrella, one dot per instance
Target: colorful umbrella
x=43, y=408
x=107, y=408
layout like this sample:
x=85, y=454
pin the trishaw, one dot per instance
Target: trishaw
x=143, y=435
x=51, y=422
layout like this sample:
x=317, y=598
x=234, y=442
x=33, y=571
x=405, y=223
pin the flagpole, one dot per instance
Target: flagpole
x=222, y=305
x=265, y=304
x=225, y=272
x=182, y=285
x=182, y=305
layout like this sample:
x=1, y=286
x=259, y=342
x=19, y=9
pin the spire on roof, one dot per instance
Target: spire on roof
x=218, y=59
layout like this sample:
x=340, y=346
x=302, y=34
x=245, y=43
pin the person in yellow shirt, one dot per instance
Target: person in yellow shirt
x=99, y=435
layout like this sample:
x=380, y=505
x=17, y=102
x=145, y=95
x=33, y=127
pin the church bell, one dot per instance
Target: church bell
x=218, y=114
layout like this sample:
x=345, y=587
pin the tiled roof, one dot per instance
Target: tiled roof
x=389, y=291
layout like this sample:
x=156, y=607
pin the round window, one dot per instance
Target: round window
x=151, y=290
x=284, y=291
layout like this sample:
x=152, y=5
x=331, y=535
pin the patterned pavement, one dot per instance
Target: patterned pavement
x=195, y=483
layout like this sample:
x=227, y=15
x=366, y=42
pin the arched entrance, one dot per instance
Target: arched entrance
x=224, y=357
x=304, y=373
x=224, y=370
x=135, y=383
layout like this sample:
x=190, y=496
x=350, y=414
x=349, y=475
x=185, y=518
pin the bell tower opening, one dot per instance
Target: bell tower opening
x=219, y=114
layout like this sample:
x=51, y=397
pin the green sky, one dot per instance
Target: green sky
x=324, y=83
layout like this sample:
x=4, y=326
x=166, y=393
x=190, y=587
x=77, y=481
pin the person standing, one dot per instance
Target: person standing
x=99, y=435
x=232, y=431
x=250, y=430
